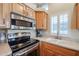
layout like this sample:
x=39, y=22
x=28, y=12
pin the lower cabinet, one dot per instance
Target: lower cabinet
x=47, y=49
x=49, y=53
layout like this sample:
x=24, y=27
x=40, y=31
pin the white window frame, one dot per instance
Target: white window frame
x=58, y=26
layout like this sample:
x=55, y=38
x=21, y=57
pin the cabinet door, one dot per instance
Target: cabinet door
x=18, y=8
x=45, y=21
x=77, y=54
x=30, y=12
x=49, y=53
x=7, y=8
x=59, y=50
x=74, y=19
x=25, y=11
x=39, y=20
x=77, y=11
x=41, y=49
x=45, y=51
x=1, y=15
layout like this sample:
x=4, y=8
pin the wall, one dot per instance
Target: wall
x=58, y=8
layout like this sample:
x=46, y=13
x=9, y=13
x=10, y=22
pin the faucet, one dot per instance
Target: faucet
x=57, y=36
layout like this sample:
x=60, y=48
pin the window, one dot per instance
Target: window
x=54, y=24
x=59, y=24
x=63, y=20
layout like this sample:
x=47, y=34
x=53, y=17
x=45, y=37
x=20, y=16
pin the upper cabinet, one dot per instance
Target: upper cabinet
x=45, y=21
x=29, y=12
x=77, y=6
x=23, y=10
x=18, y=8
x=75, y=17
x=5, y=10
x=41, y=20
x=1, y=15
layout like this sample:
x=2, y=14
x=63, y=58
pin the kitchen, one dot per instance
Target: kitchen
x=39, y=29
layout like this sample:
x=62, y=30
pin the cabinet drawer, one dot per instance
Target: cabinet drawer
x=59, y=50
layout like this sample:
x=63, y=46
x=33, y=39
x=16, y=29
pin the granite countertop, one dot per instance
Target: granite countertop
x=66, y=43
x=5, y=49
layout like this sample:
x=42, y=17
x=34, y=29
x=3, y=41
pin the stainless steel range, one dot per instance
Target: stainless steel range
x=24, y=46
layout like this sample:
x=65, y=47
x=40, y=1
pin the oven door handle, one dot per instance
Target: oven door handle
x=27, y=51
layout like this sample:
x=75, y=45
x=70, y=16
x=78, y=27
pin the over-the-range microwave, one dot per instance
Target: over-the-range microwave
x=21, y=22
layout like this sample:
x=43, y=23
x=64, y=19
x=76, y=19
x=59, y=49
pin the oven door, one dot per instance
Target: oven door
x=32, y=50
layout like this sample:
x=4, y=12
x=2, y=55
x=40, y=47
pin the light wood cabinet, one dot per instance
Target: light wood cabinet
x=33, y=13
x=75, y=17
x=1, y=15
x=25, y=11
x=41, y=49
x=41, y=20
x=18, y=8
x=45, y=21
x=29, y=12
x=77, y=7
x=55, y=50
x=7, y=8
x=48, y=53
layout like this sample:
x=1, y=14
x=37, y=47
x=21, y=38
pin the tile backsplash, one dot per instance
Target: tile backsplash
x=2, y=36
x=32, y=33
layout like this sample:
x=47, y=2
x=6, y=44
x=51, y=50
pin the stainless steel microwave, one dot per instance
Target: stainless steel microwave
x=21, y=22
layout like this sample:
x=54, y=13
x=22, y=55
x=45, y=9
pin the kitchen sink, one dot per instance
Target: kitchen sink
x=55, y=40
